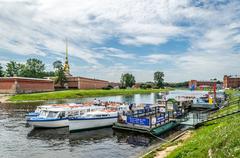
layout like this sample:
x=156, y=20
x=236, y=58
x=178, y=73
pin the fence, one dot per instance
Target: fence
x=194, y=118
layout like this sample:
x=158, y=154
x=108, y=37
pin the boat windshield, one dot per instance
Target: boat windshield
x=38, y=109
x=43, y=113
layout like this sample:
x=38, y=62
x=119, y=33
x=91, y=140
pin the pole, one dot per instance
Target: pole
x=214, y=90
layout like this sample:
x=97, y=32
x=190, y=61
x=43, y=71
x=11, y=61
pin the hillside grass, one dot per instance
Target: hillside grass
x=219, y=138
x=216, y=139
x=68, y=94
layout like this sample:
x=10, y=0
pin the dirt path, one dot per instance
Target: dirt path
x=168, y=150
x=3, y=98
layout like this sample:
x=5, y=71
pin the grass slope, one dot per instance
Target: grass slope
x=80, y=93
x=217, y=139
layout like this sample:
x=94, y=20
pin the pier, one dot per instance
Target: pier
x=154, y=119
x=165, y=115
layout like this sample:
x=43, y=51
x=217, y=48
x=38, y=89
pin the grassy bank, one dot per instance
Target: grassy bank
x=67, y=94
x=216, y=139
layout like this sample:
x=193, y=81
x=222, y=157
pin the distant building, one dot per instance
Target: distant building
x=202, y=84
x=14, y=85
x=231, y=81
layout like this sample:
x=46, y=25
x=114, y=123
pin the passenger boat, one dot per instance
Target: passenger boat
x=93, y=120
x=37, y=111
x=57, y=116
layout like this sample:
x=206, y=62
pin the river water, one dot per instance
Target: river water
x=19, y=140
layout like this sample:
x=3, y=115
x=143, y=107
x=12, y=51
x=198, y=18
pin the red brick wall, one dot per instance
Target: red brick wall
x=25, y=85
x=7, y=86
x=29, y=86
x=92, y=84
x=231, y=82
x=85, y=83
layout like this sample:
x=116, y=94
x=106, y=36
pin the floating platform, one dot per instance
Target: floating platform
x=141, y=129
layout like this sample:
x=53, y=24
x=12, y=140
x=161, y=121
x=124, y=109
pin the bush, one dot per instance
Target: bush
x=108, y=87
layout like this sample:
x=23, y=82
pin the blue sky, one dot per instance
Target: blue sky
x=185, y=39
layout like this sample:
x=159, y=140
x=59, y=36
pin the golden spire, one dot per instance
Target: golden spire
x=66, y=67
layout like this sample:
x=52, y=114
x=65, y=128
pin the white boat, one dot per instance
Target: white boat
x=93, y=120
x=45, y=107
x=56, y=117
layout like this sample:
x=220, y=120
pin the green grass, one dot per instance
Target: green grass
x=67, y=94
x=218, y=138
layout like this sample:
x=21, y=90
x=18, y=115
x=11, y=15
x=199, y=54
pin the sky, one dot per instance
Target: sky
x=198, y=39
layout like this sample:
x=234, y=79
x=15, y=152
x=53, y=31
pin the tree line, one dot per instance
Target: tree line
x=34, y=68
x=128, y=80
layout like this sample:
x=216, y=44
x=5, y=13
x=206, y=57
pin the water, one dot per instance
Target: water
x=18, y=140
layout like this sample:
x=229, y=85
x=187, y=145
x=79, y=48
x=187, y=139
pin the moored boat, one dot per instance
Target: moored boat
x=57, y=116
x=93, y=120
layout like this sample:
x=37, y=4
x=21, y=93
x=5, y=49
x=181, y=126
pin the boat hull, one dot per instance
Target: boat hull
x=77, y=124
x=48, y=123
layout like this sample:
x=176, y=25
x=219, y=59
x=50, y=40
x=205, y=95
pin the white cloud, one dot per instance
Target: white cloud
x=157, y=58
x=40, y=28
x=114, y=52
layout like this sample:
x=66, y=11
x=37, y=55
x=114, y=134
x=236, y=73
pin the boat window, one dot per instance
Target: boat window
x=62, y=115
x=52, y=114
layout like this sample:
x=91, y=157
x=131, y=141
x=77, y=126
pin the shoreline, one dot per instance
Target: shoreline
x=72, y=94
x=164, y=149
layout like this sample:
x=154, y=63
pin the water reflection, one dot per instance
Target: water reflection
x=48, y=134
x=94, y=136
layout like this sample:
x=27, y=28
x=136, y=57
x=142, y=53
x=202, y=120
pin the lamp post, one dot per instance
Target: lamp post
x=214, y=89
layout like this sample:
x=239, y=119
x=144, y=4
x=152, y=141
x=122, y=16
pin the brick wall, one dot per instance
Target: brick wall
x=231, y=82
x=84, y=83
x=25, y=85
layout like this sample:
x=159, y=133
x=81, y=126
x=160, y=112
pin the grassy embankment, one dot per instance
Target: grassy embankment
x=218, y=138
x=66, y=94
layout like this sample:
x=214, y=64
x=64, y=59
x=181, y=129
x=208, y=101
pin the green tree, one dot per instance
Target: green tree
x=1, y=71
x=60, y=75
x=34, y=68
x=127, y=80
x=158, y=79
x=49, y=74
x=14, y=69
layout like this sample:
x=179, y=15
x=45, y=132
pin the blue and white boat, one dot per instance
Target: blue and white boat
x=56, y=117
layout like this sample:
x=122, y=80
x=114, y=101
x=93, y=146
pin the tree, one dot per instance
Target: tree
x=1, y=71
x=49, y=74
x=34, y=68
x=127, y=80
x=60, y=75
x=158, y=79
x=14, y=69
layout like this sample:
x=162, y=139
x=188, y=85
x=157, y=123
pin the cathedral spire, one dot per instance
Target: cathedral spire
x=66, y=61
x=66, y=67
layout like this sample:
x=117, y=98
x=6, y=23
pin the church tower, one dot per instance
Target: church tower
x=66, y=67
